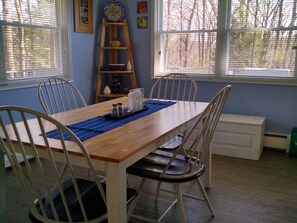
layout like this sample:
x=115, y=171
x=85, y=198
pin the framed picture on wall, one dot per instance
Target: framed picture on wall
x=83, y=16
x=142, y=22
x=142, y=7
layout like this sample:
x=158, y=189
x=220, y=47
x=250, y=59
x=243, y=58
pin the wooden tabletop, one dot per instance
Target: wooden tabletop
x=122, y=142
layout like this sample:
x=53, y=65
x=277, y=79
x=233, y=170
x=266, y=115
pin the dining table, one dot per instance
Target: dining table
x=118, y=148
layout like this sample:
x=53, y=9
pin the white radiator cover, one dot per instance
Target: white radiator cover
x=19, y=157
x=239, y=136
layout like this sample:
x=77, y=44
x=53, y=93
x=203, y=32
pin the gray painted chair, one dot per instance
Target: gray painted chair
x=186, y=163
x=53, y=187
x=176, y=87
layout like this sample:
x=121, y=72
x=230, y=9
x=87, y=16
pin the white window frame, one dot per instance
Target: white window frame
x=221, y=60
x=63, y=68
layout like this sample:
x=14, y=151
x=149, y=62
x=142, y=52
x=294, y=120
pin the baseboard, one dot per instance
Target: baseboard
x=277, y=141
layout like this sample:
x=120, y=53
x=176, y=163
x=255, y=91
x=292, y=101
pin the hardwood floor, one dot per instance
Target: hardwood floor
x=242, y=191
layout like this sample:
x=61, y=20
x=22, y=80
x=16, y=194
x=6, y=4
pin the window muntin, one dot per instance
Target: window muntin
x=250, y=40
x=33, y=41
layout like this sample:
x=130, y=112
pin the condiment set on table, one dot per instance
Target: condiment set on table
x=117, y=110
x=135, y=99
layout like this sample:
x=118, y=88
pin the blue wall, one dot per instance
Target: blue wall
x=277, y=103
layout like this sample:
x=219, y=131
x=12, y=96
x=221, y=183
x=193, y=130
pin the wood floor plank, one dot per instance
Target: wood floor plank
x=242, y=191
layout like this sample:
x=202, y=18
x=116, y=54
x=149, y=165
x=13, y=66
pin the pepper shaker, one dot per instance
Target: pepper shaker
x=114, y=111
x=120, y=109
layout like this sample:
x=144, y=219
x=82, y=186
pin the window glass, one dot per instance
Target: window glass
x=262, y=39
x=227, y=40
x=187, y=38
x=33, y=41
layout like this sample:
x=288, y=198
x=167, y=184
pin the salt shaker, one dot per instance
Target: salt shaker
x=120, y=109
x=114, y=111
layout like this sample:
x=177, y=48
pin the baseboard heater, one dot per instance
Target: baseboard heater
x=277, y=141
x=19, y=157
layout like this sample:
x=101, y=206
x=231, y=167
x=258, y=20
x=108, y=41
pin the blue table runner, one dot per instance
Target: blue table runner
x=89, y=128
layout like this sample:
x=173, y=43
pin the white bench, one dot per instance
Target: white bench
x=239, y=136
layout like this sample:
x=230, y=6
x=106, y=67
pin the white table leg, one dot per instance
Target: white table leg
x=116, y=193
x=2, y=187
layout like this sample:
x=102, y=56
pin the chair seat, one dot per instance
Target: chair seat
x=172, y=144
x=91, y=197
x=152, y=166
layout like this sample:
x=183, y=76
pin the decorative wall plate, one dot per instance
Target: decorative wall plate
x=114, y=11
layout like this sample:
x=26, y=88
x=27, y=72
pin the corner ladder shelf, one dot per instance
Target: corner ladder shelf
x=114, y=55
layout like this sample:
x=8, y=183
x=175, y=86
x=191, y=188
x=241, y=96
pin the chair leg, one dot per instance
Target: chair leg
x=180, y=203
x=204, y=194
x=158, y=190
x=128, y=182
x=133, y=204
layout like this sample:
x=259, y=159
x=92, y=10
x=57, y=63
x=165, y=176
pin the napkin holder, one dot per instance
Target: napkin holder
x=135, y=99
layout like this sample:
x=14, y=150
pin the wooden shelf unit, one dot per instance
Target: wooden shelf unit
x=111, y=30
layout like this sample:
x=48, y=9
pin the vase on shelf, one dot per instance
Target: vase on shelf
x=106, y=90
x=129, y=66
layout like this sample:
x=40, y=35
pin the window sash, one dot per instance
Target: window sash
x=222, y=53
x=35, y=46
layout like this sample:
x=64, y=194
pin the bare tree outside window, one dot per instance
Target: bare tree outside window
x=255, y=38
x=262, y=37
x=33, y=40
x=189, y=34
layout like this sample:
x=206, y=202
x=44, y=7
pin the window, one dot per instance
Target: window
x=232, y=40
x=33, y=41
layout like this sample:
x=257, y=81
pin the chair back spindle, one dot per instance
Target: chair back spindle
x=197, y=139
x=58, y=95
x=175, y=86
x=17, y=138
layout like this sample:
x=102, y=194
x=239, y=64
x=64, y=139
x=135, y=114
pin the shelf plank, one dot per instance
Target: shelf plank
x=111, y=55
x=112, y=95
x=114, y=23
x=115, y=48
x=116, y=71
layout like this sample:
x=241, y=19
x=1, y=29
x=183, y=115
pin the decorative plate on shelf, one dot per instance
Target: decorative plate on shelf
x=114, y=11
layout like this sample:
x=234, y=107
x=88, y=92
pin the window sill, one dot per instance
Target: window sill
x=24, y=84
x=242, y=80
